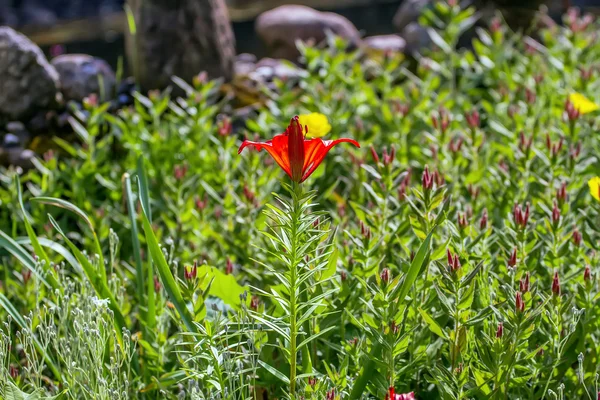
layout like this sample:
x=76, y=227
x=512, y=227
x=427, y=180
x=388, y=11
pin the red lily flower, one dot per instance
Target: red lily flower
x=297, y=156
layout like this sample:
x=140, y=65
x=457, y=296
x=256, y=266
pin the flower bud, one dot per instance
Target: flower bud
x=512, y=261
x=555, y=214
x=385, y=276
x=427, y=179
x=524, y=284
x=484, y=220
x=229, y=267
x=500, y=330
x=577, y=237
x=462, y=220
x=556, y=284
x=374, y=154
x=254, y=302
x=587, y=274
x=519, y=304
x=157, y=284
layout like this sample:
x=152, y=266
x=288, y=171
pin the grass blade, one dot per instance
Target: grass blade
x=166, y=276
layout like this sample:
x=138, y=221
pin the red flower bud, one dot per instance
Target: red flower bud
x=156, y=284
x=330, y=395
x=524, y=284
x=312, y=381
x=374, y=154
x=254, y=302
x=561, y=193
x=577, y=237
x=190, y=273
x=229, y=267
x=500, y=330
x=556, y=284
x=427, y=179
x=472, y=119
x=385, y=276
x=512, y=261
x=484, y=220
x=555, y=214
x=519, y=304
x=462, y=220
x=587, y=274
x=453, y=261
x=224, y=126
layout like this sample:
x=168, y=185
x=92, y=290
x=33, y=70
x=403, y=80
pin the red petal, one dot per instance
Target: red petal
x=315, y=151
x=277, y=148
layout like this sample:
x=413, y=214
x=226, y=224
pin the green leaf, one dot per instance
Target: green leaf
x=400, y=291
x=166, y=276
x=432, y=324
x=37, y=248
x=77, y=211
x=22, y=255
x=223, y=286
x=275, y=372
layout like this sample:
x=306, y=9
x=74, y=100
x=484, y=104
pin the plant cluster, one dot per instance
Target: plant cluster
x=453, y=255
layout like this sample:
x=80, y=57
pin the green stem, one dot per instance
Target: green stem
x=296, y=194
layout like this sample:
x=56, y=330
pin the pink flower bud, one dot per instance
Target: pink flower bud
x=500, y=330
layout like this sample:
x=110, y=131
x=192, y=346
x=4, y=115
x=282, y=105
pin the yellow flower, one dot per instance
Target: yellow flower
x=594, y=184
x=317, y=123
x=582, y=104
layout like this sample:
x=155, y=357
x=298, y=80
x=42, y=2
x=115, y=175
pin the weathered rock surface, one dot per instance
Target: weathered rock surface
x=82, y=75
x=180, y=38
x=393, y=43
x=280, y=27
x=409, y=11
x=27, y=80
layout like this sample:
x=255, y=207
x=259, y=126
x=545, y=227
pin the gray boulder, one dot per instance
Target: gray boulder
x=385, y=43
x=27, y=81
x=280, y=27
x=409, y=11
x=82, y=75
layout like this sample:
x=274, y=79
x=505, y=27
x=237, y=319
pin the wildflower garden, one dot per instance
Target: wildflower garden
x=414, y=228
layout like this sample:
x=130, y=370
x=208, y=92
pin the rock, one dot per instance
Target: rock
x=268, y=69
x=393, y=43
x=80, y=76
x=409, y=11
x=18, y=130
x=280, y=27
x=27, y=81
x=15, y=127
x=180, y=38
x=416, y=37
x=10, y=141
x=245, y=63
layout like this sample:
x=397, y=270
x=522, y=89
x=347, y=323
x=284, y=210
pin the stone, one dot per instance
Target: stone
x=27, y=80
x=18, y=130
x=81, y=75
x=385, y=43
x=416, y=38
x=409, y=11
x=11, y=141
x=268, y=69
x=245, y=63
x=180, y=38
x=281, y=27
